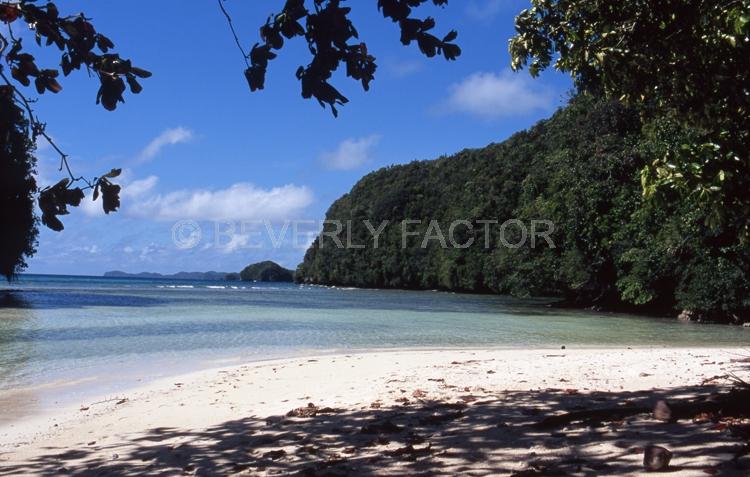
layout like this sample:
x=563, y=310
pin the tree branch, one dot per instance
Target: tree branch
x=234, y=33
x=37, y=127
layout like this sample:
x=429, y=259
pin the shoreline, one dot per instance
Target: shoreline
x=208, y=398
x=74, y=401
x=74, y=398
x=559, y=303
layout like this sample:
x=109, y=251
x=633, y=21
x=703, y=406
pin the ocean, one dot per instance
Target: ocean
x=80, y=334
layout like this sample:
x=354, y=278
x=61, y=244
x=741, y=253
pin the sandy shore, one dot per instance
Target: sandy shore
x=468, y=412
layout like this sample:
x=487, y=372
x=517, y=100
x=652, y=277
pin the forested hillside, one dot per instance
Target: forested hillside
x=266, y=271
x=581, y=170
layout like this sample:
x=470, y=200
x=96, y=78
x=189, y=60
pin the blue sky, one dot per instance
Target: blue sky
x=197, y=145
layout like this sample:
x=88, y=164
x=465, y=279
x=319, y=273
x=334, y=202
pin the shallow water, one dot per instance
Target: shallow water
x=71, y=330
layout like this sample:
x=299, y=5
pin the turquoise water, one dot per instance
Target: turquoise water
x=62, y=329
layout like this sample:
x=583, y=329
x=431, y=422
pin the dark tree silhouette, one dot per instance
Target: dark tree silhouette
x=81, y=46
x=17, y=187
x=333, y=39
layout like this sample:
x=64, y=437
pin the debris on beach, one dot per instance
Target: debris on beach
x=274, y=454
x=311, y=410
x=656, y=458
x=383, y=427
x=418, y=393
x=662, y=411
x=410, y=452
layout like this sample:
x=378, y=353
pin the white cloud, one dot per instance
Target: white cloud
x=168, y=137
x=139, y=187
x=150, y=251
x=236, y=242
x=350, y=153
x=491, y=96
x=403, y=68
x=90, y=249
x=238, y=202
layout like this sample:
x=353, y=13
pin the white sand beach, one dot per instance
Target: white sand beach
x=467, y=412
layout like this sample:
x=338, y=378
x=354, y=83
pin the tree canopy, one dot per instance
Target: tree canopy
x=686, y=60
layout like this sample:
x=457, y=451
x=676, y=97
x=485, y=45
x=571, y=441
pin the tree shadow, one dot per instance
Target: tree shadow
x=481, y=432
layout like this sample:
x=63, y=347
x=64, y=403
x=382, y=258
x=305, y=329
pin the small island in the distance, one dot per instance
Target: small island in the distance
x=266, y=271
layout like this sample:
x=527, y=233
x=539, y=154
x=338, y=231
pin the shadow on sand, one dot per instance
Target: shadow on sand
x=479, y=433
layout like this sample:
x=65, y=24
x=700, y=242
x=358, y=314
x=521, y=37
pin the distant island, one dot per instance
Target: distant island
x=174, y=276
x=266, y=271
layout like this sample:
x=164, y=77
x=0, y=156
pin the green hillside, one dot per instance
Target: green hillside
x=580, y=170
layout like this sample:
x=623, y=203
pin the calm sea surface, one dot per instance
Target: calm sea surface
x=62, y=330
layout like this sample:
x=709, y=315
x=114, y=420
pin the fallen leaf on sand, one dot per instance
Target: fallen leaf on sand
x=418, y=393
x=274, y=454
x=442, y=413
x=410, y=452
x=308, y=449
x=383, y=427
x=704, y=417
x=311, y=410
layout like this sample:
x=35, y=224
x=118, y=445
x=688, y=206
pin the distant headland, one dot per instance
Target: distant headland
x=266, y=271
